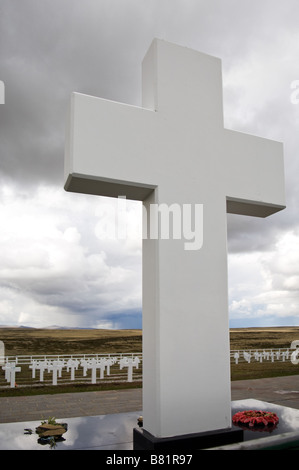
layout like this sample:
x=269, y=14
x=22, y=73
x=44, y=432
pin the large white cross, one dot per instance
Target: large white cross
x=175, y=150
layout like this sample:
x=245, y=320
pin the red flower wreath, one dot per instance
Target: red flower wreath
x=254, y=417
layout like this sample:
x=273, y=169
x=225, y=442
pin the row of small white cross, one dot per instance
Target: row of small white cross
x=72, y=364
x=259, y=356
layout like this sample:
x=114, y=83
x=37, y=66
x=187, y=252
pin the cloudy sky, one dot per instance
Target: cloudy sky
x=56, y=267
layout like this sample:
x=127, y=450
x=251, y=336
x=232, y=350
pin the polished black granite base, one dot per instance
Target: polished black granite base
x=288, y=422
x=143, y=440
x=103, y=432
x=115, y=432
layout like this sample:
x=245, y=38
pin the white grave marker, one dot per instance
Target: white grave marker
x=130, y=363
x=102, y=364
x=72, y=364
x=175, y=150
x=33, y=367
x=109, y=362
x=56, y=368
x=236, y=357
x=42, y=366
x=94, y=364
x=84, y=363
x=10, y=369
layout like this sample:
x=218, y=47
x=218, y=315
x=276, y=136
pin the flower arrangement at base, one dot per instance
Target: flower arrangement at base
x=255, y=418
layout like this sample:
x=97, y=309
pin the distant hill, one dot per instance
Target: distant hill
x=17, y=326
x=51, y=327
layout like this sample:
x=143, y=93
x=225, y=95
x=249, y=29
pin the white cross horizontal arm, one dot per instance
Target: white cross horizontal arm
x=100, y=127
x=254, y=174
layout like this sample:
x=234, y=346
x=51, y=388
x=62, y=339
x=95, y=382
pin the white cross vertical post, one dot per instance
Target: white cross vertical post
x=109, y=362
x=42, y=366
x=13, y=371
x=92, y=364
x=102, y=366
x=93, y=373
x=130, y=363
x=10, y=373
x=175, y=150
x=54, y=367
x=33, y=366
x=84, y=364
x=73, y=365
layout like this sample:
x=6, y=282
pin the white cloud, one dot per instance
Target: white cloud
x=52, y=265
x=266, y=284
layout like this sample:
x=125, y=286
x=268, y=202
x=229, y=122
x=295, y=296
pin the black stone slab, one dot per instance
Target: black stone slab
x=103, y=432
x=288, y=422
x=143, y=440
x=115, y=431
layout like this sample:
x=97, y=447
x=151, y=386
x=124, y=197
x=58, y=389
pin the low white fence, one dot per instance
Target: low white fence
x=62, y=369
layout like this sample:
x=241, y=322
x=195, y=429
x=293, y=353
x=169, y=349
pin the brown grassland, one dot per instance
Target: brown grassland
x=30, y=341
x=26, y=341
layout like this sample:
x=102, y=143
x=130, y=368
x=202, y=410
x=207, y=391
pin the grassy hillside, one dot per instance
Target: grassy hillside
x=260, y=338
x=51, y=341
x=19, y=341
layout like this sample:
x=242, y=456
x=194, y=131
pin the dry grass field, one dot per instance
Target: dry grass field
x=100, y=341
x=30, y=341
x=260, y=338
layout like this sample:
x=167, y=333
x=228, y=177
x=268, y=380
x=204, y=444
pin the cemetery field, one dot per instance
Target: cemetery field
x=262, y=338
x=30, y=341
x=38, y=342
